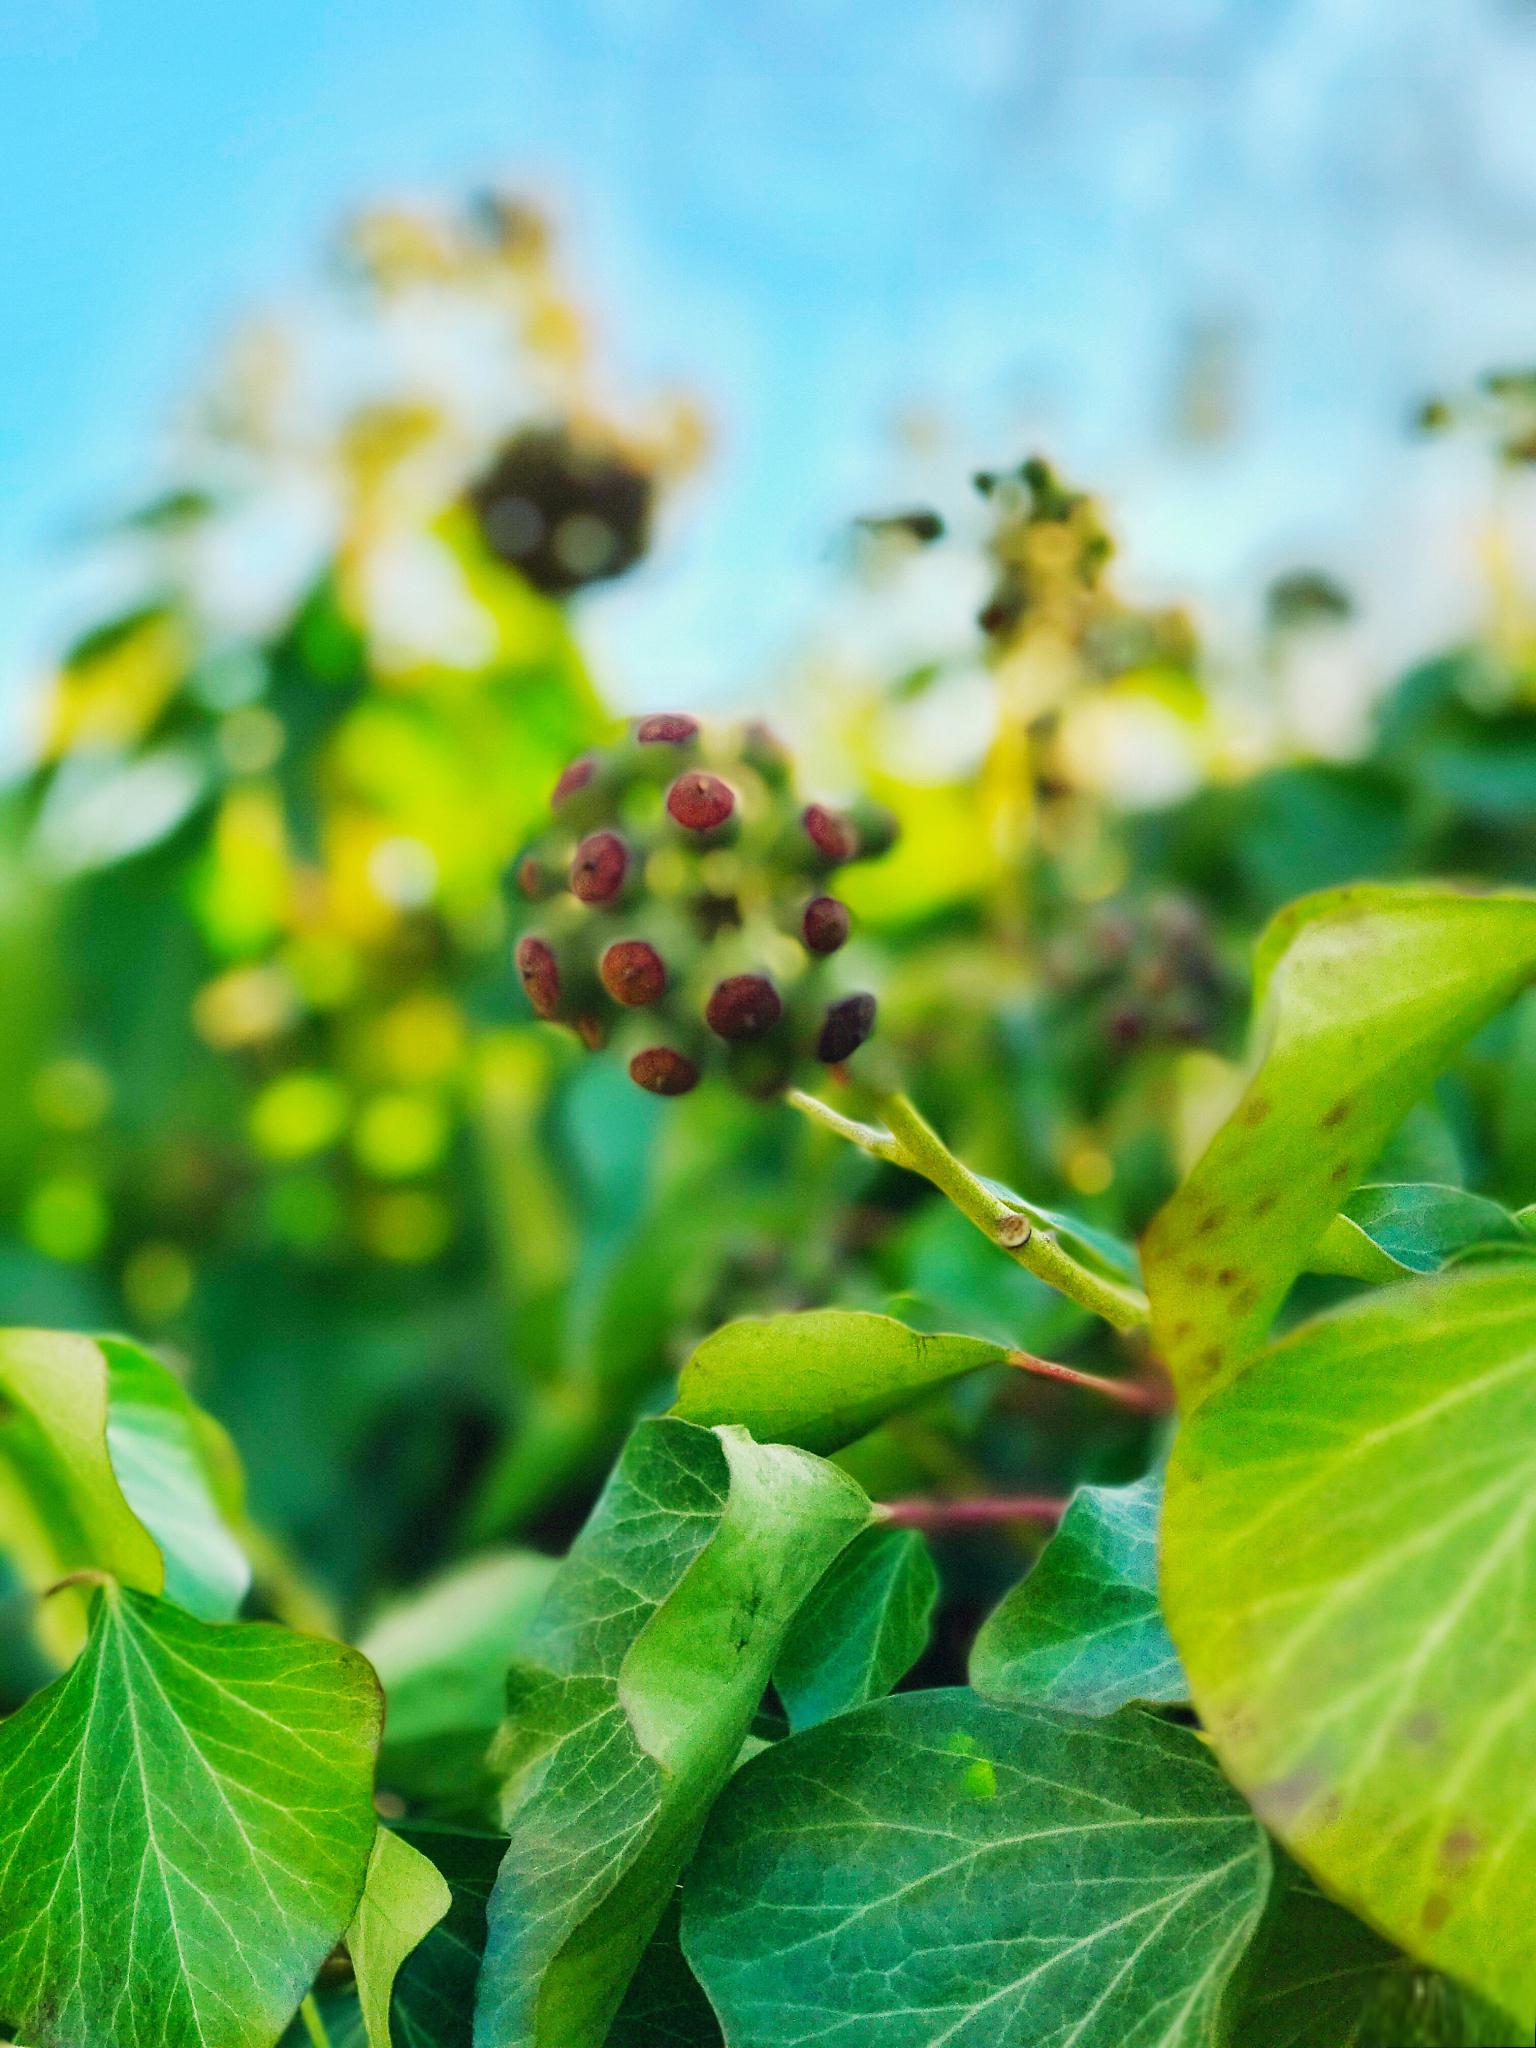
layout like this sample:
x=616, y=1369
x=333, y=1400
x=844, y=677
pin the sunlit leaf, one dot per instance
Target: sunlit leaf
x=936, y=1869
x=404, y=1898
x=1349, y=1572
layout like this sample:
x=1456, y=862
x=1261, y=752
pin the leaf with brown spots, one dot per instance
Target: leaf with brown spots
x=1363, y=996
x=1349, y=1573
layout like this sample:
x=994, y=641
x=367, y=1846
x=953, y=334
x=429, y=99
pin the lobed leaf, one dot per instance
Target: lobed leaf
x=1364, y=995
x=820, y=1379
x=186, y=1818
x=1349, y=1571
x=935, y=1869
x=1083, y=1630
x=862, y=1629
x=642, y=1675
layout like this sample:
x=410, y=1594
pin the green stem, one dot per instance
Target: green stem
x=314, y=2026
x=910, y=1141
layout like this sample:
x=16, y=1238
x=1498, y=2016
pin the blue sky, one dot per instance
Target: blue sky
x=816, y=212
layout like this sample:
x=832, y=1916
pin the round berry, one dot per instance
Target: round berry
x=824, y=924
x=661, y=1071
x=844, y=1028
x=830, y=833
x=632, y=973
x=530, y=876
x=598, y=871
x=540, y=973
x=700, y=802
x=743, y=1006
x=667, y=728
x=575, y=778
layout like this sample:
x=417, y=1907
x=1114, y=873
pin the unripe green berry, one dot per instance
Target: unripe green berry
x=598, y=871
x=661, y=1071
x=743, y=1006
x=845, y=1026
x=700, y=802
x=633, y=973
x=824, y=924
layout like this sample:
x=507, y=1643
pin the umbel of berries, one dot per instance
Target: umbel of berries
x=686, y=909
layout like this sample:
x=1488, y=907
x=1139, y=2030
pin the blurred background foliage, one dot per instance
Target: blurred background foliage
x=273, y=1102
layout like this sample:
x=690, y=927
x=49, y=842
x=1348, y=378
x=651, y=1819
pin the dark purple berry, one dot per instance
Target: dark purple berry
x=667, y=728
x=830, y=833
x=661, y=1071
x=540, y=975
x=824, y=924
x=844, y=1028
x=700, y=802
x=743, y=1006
x=598, y=871
x=632, y=973
x=575, y=778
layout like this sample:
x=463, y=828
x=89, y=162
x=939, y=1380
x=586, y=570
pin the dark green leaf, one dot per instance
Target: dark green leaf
x=1411, y=1227
x=862, y=1629
x=936, y=1869
x=1083, y=1631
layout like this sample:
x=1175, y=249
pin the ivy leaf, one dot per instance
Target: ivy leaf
x=643, y=1673
x=442, y=1654
x=935, y=1869
x=155, y=1442
x=186, y=1818
x=1083, y=1630
x=1385, y=1231
x=404, y=1897
x=1319, y=1977
x=1364, y=994
x=821, y=1379
x=862, y=1629
x=665, y=2006
x=1349, y=1571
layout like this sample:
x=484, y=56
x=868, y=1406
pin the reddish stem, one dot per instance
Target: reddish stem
x=1144, y=1397
x=927, y=1513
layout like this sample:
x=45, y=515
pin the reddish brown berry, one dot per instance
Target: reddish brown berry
x=743, y=1006
x=830, y=833
x=576, y=777
x=592, y=1032
x=825, y=924
x=632, y=973
x=540, y=975
x=661, y=1071
x=598, y=871
x=700, y=802
x=530, y=876
x=844, y=1028
x=667, y=728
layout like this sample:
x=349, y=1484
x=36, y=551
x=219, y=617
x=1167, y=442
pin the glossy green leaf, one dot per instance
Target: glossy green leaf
x=1320, y=1978
x=186, y=1819
x=1385, y=1231
x=821, y=1379
x=862, y=1629
x=640, y=1681
x=1083, y=1630
x=935, y=1869
x=404, y=1897
x=155, y=1441
x=1349, y=1571
x=1364, y=994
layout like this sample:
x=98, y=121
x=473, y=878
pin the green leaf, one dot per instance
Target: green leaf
x=155, y=1441
x=69, y=1511
x=442, y=1654
x=936, y=1869
x=1349, y=1571
x=643, y=1673
x=404, y=1897
x=186, y=1818
x=1414, y=1227
x=1364, y=995
x=664, y=2006
x=822, y=1379
x=863, y=1628
x=1083, y=1631
x=1320, y=1978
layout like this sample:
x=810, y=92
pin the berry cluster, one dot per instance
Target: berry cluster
x=1139, y=974
x=686, y=912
